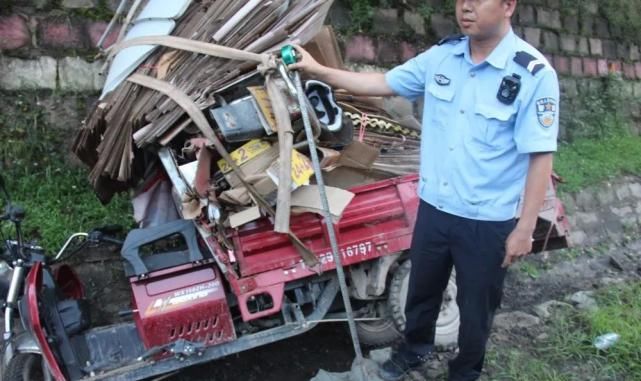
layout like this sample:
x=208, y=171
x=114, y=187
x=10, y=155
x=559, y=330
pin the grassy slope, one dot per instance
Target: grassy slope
x=591, y=161
x=59, y=202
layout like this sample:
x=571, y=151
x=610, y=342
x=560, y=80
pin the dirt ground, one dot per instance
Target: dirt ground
x=328, y=346
x=539, y=279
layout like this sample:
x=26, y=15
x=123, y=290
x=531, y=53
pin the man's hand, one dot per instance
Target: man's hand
x=518, y=244
x=369, y=84
x=307, y=63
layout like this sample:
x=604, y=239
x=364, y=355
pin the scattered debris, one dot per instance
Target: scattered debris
x=517, y=319
x=584, y=300
x=543, y=310
x=614, y=262
x=606, y=341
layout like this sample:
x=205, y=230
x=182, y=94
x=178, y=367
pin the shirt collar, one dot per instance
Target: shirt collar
x=499, y=56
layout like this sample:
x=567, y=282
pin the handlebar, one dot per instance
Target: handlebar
x=95, y=236
x=98, y=236
x=115, y=241
x=69, y=240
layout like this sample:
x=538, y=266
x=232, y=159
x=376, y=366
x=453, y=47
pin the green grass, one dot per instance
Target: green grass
x=587, y=162
x=620, y=312
x=568, y=353
x=516, y=365
x=59, y=202
x=528, y=268
x=574, y=333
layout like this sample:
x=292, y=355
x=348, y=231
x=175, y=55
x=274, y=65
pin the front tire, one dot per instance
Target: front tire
x=25, y=367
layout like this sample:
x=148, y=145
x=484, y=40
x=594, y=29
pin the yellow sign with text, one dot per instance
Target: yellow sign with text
x=302, y=169
x=245, y=153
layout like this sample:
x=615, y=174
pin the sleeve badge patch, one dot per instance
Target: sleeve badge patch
x=546, y=111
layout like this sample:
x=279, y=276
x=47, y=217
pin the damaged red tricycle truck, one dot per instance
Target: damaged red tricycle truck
x=248, y=186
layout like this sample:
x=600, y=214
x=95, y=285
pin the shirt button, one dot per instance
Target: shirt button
x=445, y=184
x=451, y=148
x=462, y=111
x=472, y=74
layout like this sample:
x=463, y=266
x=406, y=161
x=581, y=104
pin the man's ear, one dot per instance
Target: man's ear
x=510, y=7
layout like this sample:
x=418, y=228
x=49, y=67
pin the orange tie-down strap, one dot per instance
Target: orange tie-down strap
x=201, y=122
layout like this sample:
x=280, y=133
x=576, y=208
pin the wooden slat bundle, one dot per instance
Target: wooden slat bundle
x=105, y=141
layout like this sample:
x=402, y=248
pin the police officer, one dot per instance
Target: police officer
x=490, y=124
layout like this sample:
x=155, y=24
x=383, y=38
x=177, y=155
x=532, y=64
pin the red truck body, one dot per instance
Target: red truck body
x=264, y=277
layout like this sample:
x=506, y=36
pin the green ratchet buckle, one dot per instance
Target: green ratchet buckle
x=288, y=54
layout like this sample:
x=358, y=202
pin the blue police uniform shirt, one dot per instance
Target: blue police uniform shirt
x=474, y=148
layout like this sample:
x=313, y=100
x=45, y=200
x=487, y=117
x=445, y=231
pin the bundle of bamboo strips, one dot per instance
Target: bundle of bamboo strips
x=106, y=142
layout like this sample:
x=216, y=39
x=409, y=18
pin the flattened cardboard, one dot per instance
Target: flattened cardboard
x=328, y=158
x=358, y=155
x=243, y=217
x=239, y=196
x=324, y=48
x=236, y=196
x=346, y=177
x=307, y=199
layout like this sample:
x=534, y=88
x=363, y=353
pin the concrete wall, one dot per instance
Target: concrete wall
x=47, y=62
x=579, y=41
x=49, y=44
x=609, y=211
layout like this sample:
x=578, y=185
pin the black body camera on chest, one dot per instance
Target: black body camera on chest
x=509, y=89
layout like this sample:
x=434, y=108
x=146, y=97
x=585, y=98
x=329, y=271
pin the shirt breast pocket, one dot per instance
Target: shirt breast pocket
x=494, y=124
x=440, y=98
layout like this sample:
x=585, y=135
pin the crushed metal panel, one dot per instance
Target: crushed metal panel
x=156, y=19
x=128, y=59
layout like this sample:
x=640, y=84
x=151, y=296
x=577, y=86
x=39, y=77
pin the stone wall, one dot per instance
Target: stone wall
x=581, y=44
x=49, y=45
x=48, y=61
x=610, y=211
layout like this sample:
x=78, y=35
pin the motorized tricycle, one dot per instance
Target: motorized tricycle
x=191, y=300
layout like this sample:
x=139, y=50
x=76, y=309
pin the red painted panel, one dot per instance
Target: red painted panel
x=186, y=303
x=378, y=213
x=33, y=285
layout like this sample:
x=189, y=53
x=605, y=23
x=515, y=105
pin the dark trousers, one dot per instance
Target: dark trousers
x=475, y=249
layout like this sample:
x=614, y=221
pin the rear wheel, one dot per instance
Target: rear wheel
x=378, y=333
x=25, y=367
x=388, y=330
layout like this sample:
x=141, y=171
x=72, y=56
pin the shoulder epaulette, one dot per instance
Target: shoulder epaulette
x=529, y=62
x=456, y=38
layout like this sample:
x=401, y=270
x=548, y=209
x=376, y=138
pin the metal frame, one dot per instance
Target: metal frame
x=302, y=324
x=273, y=280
